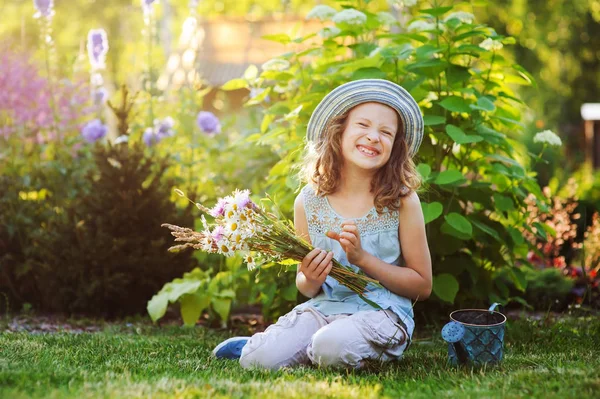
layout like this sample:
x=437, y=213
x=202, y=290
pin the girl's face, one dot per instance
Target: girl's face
x=369, y=135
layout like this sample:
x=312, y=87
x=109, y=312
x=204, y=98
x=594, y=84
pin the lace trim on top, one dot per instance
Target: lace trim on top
x=321, y=217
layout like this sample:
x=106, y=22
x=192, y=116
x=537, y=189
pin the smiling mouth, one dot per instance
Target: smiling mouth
x=367, y=151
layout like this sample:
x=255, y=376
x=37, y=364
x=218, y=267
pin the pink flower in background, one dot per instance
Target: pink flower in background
x=25, y=100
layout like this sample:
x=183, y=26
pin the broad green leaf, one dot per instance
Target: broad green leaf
x=451, y=176
x=486, y=104
x=456, y=75
x=431, y=120
x=445, y=287
x=235, y=84
x=448, y=230
x=222, y=306
x=431, y=211
x=503, y=203
x=487, y=229
x=424, y=170
x=460, y=137
x=516, y=235
x=251, y=72
x=455, y=104
x=157, y=306
x=266, y=122
x=191, y=307
x=459, y=222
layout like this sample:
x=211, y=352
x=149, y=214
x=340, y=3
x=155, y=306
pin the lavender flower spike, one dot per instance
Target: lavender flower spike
x=44, y=8
x=208, y=122
x=97, y=47
x=94, y=131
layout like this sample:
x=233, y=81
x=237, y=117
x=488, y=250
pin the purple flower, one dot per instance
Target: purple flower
x=164, y=128
x=94, y=131
x=219, y=209
x=217, y=233
x=99, y=96
x=97, y=47
x=150, y=138
x=148, y=6
x=242, y=198
x=45, y=8
x=208, y=122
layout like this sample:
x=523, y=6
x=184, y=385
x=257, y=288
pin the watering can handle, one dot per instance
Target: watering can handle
x=493, y=307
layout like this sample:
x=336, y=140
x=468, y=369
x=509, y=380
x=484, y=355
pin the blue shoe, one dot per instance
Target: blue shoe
x=230, y=348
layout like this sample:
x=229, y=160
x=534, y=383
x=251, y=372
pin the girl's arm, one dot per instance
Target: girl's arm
x=413, y=281
x=315, y=266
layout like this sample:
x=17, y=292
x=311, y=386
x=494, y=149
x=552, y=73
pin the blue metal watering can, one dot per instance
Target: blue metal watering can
x=475, y=336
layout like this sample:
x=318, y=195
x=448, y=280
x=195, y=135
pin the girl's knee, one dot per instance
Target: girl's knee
x=329, y=348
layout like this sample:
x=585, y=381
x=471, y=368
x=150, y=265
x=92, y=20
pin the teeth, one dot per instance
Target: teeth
x=366, y=151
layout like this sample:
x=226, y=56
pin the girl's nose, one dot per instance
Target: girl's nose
x=373, y=137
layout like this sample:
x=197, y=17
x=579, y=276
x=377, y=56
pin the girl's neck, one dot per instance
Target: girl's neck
x=354, y=182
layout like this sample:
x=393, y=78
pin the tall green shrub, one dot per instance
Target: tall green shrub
x=456, y=69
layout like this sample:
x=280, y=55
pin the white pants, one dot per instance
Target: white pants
x=344, y=340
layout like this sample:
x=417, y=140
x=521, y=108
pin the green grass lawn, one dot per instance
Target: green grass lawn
x=542, y=359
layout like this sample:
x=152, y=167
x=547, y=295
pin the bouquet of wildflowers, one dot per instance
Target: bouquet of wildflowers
x=243, y=227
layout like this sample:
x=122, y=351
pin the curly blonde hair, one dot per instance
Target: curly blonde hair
x=396, y=179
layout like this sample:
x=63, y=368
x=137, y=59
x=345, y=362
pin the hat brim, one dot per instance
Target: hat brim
x=351, y=94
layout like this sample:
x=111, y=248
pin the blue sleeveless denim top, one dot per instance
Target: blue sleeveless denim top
x=378, y=236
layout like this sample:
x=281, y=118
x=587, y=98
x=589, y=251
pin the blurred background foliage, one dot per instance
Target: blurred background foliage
x=50, y=177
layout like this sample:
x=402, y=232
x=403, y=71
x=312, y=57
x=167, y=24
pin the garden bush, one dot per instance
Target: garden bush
x=475, y=171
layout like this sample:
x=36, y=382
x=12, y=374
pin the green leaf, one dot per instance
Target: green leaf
x=424, y=170
x=503, y=203
x=540, y=230
x=279, y=38
x=456, y=75
x=451, y=176
x=171, y=292
x=525, y=75
x=516, y=235
x=191, y=307
x=460, y=137
x=368, y=73
x=222, y=306
x=431, y=211
x=486, y=103
x=487, y=229
x=451, y=231
x=437, y=11
x=455, y=104
x=445, y=287
x=431, y=120
x=157, y=306
x=519, y=278
x=266, y=122
x=235, y=84
x=251, y=72
x=460, y=223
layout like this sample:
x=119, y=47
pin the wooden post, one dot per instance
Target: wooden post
x=589, y=142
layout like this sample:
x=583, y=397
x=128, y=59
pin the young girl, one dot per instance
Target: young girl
x=361, y=208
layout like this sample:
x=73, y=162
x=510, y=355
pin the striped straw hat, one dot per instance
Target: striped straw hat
x=351, y=94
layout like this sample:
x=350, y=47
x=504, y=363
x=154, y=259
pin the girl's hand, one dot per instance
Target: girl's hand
x=349, y=238
x=316, y=265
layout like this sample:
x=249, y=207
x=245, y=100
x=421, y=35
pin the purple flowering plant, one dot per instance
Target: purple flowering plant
x=208, y=123
x=94, y=131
